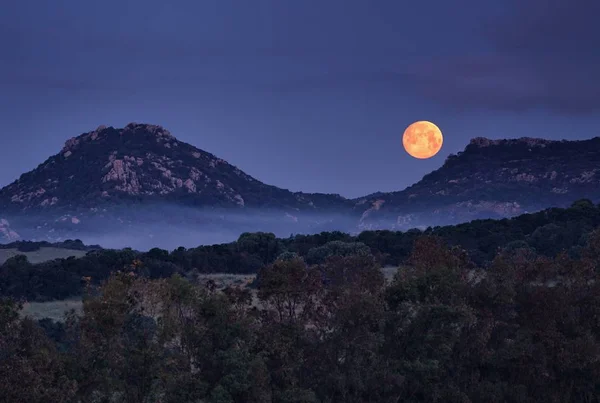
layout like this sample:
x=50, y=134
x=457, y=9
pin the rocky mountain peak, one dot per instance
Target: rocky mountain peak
x=157, y=132
x=143, y=162
x=137, y=128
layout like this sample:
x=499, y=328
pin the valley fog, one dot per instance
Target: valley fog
x=169, y=226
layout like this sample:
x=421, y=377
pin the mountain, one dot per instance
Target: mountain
x=491, y=179
x=139, y=173
x=144, y=162
x=140, y=186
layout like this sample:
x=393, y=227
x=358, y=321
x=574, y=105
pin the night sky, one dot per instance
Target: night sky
x=308, y=95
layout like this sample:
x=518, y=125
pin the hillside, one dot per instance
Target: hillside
x=115, y=178
x=491, y=179
x=142, y=187
x=143, y=162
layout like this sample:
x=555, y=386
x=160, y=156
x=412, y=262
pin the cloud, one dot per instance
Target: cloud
x=341, y=80
x=543, y=55
x=536, y=54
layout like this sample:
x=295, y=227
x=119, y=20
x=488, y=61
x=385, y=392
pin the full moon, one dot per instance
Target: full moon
x=422, y=139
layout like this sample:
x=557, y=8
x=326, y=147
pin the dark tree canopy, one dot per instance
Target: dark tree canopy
x=547, y=233
x=524, y=329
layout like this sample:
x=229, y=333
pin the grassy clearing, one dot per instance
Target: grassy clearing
x=54, y=310
x=41, y=255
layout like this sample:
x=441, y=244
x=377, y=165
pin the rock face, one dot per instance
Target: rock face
x=491, y=179
x=143, y=162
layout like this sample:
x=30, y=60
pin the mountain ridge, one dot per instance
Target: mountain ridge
x=492, y=179
x=137, y=173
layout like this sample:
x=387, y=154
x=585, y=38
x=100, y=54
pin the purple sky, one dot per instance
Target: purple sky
x=308, y=95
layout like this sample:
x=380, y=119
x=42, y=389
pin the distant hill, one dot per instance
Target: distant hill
x=30, y=246
x=119, y=177
x=491, y=179
x=143, y=162
x=140, y=184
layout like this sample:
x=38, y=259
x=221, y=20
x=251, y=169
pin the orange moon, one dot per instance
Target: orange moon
x=422, y=139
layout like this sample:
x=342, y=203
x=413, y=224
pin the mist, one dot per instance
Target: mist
x=168, y=226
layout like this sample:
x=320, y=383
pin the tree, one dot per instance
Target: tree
x=347, y=364
x=337, y=248
x=31, y=369
x=116, y=353
x=288, y=288
x=427, y=320
x=262, y=244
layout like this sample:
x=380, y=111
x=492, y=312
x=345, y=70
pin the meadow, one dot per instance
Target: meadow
x=43, y=254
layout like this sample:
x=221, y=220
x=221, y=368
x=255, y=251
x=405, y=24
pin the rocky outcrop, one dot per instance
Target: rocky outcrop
x=491, y=179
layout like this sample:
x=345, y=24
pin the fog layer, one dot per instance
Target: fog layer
x=169, y=226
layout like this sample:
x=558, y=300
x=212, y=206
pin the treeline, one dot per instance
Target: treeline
x=524, y=330
x=546, y=233
x=31, y=246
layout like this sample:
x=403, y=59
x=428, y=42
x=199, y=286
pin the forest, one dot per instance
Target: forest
x=487, y=311
x=546, y=233
x=524, y=329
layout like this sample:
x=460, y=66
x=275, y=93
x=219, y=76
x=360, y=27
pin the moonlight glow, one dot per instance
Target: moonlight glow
x=422, y=139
